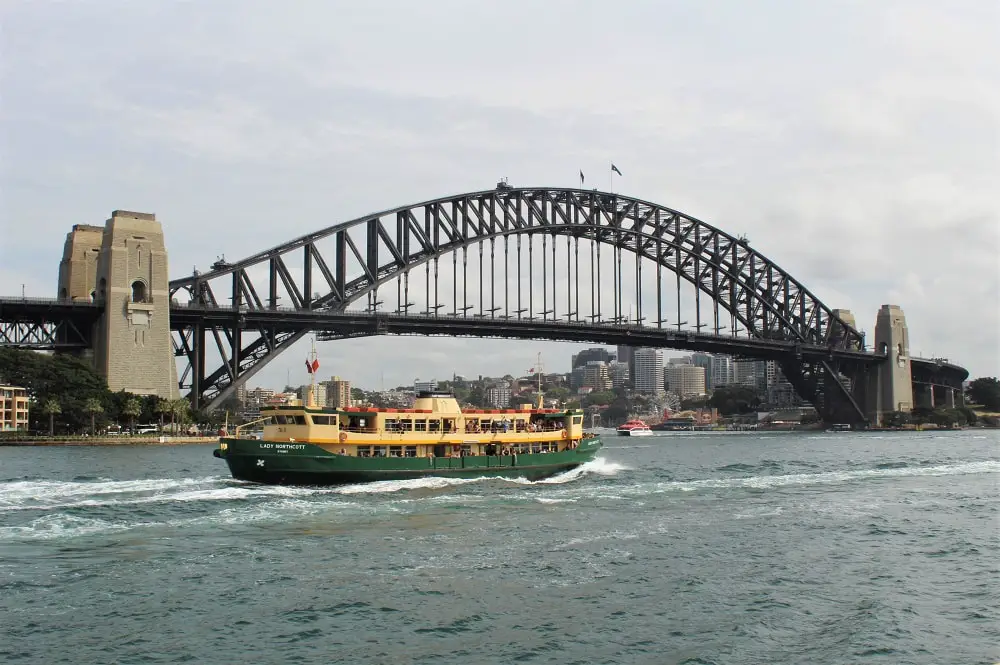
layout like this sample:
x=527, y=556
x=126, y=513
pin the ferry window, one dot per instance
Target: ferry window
x=378, y=451
x=406, y=425
x=419, y=425
x=434, y=425
x=322, y=420
x=410, y=451
x=391, y=424
x=577, y=420
x=364, y=451
x=466, y=449
x=395, y=451
x=281, y=420
x=299, y=420
x=536, y=447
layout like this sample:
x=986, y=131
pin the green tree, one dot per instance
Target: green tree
x=131, y=408
x=600, y=398
x=179, y=410
x=986, y=391
x=51, y=408
x=93, y=407
x=163, y=408
x=62, y=377
x=730, y=400
x=896, y=419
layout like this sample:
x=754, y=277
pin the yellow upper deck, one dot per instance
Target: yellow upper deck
x=436, y=418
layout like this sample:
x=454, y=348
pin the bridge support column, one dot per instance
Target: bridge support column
x=893, y=390
x=133, y=349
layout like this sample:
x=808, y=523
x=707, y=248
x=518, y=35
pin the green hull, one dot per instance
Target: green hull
x=307, y=464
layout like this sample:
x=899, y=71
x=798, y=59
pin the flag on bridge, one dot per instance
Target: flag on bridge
x=615, y=168
x=581, y=178
x=313, y=366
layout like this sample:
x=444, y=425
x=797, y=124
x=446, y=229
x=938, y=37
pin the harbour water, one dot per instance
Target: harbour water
x=740, y=548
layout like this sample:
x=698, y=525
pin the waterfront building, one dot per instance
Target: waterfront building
x=648, y=371
x=253, y=400
x=686, y=380
x=338, y=393
x=13, y=408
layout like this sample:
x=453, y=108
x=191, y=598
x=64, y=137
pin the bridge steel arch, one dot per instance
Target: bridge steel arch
x=335, y=267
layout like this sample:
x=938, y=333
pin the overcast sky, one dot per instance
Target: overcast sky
x=855, y=143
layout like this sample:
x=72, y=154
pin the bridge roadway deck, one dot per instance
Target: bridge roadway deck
x=356, y=324
x=39, y=311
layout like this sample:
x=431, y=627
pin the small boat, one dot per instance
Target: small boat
x=634, y=427
x=307, y=445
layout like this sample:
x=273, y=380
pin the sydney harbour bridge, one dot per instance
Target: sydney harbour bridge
x=509, y=262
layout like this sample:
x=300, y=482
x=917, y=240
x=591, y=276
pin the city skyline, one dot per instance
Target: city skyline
x=240, y=133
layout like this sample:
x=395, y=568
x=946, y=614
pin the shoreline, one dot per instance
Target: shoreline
x=114, y=441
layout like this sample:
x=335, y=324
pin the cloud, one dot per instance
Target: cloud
x=854, y=143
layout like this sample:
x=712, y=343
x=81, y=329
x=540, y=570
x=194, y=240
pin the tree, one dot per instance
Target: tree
x=131, y=407
x=163, y=408
x=896, y=419
x=179, y=409
x=51, y=408
x=730, y=400
x=986, y=391
x=93, y=407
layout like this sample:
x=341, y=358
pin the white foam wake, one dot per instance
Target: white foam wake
x=765, y=482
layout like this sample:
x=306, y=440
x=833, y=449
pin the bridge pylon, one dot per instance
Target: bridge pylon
x=128, y=274
x=891, y=382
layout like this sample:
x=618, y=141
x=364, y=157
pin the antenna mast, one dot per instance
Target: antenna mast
x=538, y=370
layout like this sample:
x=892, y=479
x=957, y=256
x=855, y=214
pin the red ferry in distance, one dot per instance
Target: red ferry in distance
x=634, y=427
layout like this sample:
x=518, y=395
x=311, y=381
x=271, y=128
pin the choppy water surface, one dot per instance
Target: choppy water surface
x=709, y=548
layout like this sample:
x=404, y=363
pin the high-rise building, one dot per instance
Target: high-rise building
x=312, y=395
x=498, y=395
x=686, y=380
x=723, y=372
x=13, y=408
x=338, y=393
x=619, y=374
x=590, y=355
x=648, y=376
x=596, y=376
x=705, y=361
x=745, y=372
x=424, y=386
x=626, y=354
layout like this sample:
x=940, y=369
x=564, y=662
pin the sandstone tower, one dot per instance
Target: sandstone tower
x=78, y=268
x=133, y=350
x=894, y=390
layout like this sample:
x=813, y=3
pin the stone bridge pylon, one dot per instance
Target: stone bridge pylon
x=123, y=266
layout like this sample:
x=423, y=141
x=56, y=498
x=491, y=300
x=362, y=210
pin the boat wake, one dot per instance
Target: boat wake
x=880, y=471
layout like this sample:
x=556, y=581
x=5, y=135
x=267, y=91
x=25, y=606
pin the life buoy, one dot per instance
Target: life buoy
x=343, y=437
x=565, y=434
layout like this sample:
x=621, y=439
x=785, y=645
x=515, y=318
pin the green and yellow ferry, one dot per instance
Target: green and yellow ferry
x=306, y=445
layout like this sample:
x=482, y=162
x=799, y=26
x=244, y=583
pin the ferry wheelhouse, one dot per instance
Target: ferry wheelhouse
x=317, y=446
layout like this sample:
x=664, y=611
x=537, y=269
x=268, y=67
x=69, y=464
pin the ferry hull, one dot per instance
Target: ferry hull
x=307, y=464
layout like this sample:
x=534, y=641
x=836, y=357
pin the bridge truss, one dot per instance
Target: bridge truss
x=521, y=259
